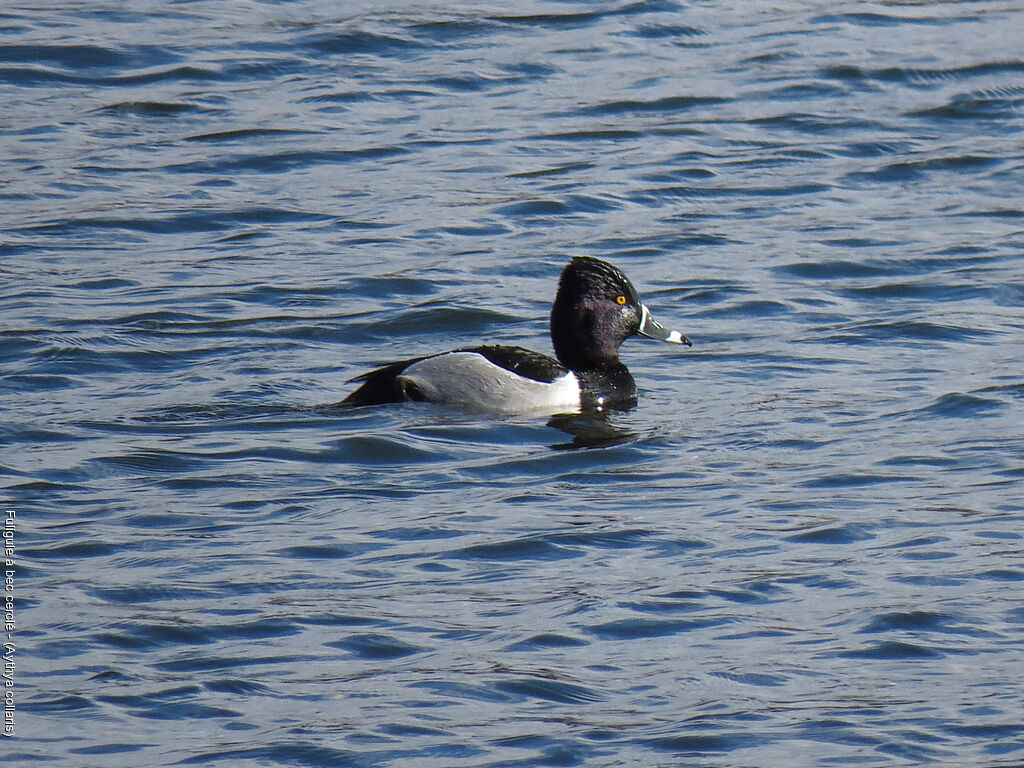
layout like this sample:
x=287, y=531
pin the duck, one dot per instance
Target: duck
x=596, y=308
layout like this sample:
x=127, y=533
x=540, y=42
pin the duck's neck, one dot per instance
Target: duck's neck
x=604, y=381
x=581, y=361
x=570, y=324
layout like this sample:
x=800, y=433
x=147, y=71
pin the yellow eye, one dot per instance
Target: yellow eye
x=620, y=300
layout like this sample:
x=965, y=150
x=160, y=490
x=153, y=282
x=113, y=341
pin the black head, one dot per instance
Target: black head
x=595, y=310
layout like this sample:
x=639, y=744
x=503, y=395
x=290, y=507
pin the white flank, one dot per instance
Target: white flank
x=469, y=380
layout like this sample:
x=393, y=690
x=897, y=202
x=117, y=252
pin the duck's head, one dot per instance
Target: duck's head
x=595, y=310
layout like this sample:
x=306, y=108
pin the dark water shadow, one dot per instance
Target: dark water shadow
x=589, y=430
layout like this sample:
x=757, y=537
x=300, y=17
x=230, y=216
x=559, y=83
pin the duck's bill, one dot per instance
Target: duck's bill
x=652, y=329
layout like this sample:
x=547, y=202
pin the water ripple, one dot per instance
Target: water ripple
x=216, y=214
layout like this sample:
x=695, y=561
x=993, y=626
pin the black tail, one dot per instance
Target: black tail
x=384, y=385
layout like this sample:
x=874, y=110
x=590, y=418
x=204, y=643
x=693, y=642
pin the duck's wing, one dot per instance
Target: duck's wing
x=525, y=362
x=387, y=384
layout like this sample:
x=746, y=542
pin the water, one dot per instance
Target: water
x=803, y=547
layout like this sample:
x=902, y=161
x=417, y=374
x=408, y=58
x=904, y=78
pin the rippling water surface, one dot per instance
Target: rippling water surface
x=802, y=548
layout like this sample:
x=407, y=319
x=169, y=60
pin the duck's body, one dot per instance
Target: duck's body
x=489, y=378
x=595, y=310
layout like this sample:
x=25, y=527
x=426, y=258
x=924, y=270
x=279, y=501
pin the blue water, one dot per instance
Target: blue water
x=804, y=547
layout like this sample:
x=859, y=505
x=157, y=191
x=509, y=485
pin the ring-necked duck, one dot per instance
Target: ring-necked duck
x=595, y=310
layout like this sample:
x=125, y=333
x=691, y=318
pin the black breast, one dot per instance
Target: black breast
x=610, y=386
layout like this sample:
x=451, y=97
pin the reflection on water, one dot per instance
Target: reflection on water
x=589, y=430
